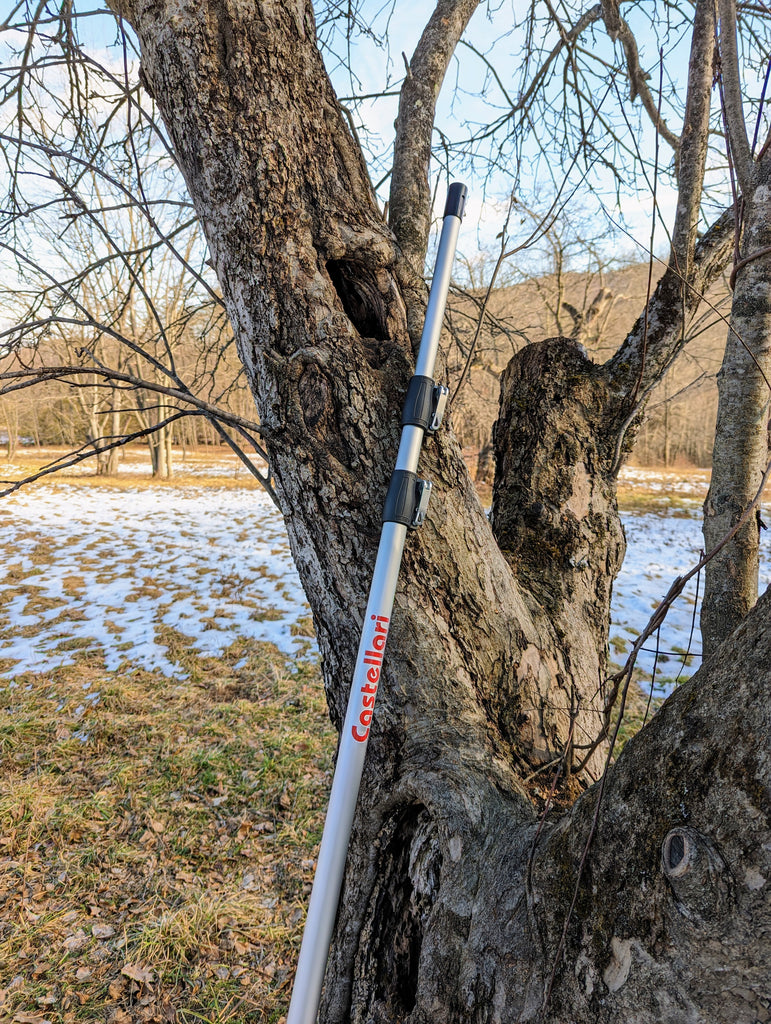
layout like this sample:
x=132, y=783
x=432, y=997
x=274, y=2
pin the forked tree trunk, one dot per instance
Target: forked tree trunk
x=454, y=902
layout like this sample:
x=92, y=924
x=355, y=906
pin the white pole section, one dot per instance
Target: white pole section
x=405, y=506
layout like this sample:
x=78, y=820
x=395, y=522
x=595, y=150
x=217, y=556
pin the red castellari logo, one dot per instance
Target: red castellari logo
x=374, y=658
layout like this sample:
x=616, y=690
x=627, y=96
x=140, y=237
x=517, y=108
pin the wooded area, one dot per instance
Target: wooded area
x=597, y=308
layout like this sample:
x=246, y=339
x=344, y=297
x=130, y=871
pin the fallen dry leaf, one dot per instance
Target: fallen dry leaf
x=115, y=989
x=137, y=973
x=75, y=942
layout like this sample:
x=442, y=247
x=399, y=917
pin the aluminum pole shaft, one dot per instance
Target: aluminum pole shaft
x=330, y=868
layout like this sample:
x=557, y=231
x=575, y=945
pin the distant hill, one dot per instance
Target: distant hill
x=598, y=310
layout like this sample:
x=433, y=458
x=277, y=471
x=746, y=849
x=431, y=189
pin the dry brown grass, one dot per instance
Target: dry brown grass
x=157, y=840
x=157, y=843
x=202, y=467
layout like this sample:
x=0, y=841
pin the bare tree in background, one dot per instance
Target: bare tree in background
x=123, y=289
x=644, y=896
x=552, y=297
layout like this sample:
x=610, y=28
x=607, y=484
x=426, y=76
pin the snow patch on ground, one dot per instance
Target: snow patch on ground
x=213, y=563
x=661, y=546
x=109, y=568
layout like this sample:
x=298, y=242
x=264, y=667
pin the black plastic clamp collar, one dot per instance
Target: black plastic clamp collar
x=456, y=200
x=419, y=404
x=400, y=500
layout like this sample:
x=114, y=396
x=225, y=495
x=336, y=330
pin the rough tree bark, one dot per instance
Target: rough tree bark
x=454, y=901
x=741, y=448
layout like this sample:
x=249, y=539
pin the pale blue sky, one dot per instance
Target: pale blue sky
x=493, y=33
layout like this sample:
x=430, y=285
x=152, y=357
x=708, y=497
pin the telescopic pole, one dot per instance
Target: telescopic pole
x=405, y=507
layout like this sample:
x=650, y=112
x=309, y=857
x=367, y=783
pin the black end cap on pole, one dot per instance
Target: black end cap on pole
x=456, y=200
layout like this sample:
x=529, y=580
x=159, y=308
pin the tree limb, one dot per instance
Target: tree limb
x=692, y=154
x=638, y=85
x=410, y=197
x=29, y=378
x=658, y=334
x=732, y=92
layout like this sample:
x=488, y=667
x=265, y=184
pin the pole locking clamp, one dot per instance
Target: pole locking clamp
x=423, y=490
x=425, y=404
x=407, y=499
x=439, y=404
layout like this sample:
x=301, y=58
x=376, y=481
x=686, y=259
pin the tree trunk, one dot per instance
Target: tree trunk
x=453, y=901
x=741, y=447
x=670, y=923
x=94, y=435
x=114, y=456
x=11, y=417
x=167, y=442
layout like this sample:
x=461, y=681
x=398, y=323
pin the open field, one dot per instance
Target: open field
x=111, y=565
x=165, y=750
x=111, y=570
x=216, y=466
x=165, y=746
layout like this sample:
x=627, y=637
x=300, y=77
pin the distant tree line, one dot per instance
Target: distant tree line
x=594, y=306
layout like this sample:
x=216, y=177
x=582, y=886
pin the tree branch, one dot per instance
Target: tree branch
x=732, y=92
x=410, y=197
x=692, y=155
x=638, y=85
x=658, y=331
x=38, y=375
x=81, y=454
x=658, y=334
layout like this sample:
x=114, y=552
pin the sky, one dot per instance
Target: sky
x=483, y=79
x=494, y=34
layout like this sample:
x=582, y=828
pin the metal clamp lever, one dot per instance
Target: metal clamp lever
x=438, y=405
x=423, y=490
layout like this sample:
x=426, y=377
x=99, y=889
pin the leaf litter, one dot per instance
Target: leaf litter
x=160, y=871
x=166, y=750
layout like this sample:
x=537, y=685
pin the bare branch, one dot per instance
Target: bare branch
x=658, y=334
x=638, y=83
x=410, y=199
x=39, y=375
x=73, y=459
x=692, y=156
x=732, y=93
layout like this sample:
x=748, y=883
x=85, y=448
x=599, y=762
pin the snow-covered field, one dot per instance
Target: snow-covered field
x=107, y=568
x=110, y=566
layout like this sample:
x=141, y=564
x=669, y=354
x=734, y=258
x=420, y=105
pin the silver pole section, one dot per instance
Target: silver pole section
x=437, y=298
x=405, y=506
